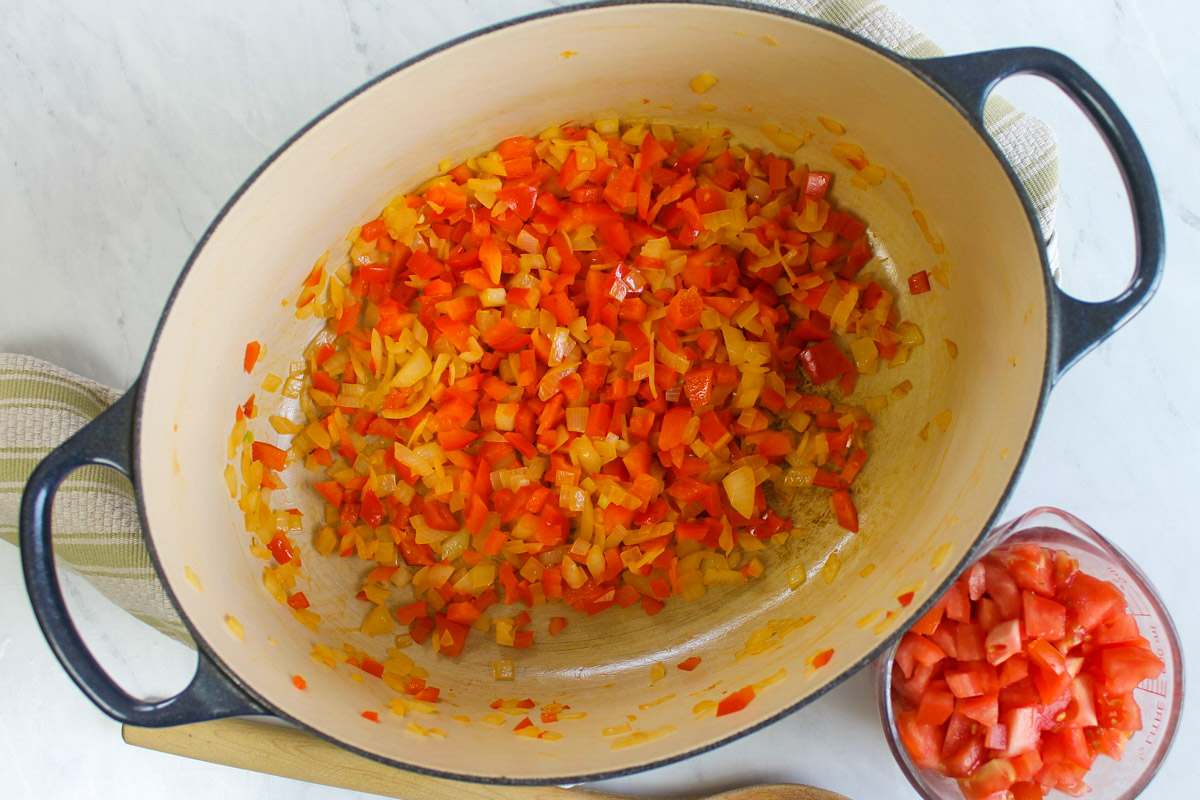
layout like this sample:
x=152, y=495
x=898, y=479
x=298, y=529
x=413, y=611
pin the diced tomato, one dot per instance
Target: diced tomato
x=923, y=742
x=965, y=682
x=1021, y=726
x=962, y=761
x=1037, y=667
x=928, y=623
x=1081, y=710
x=1117, y=630
x=916, y=649
x=937, y=704
x=992, y=777
x=969, y=642
x=984, y=709
x=1031, y=568
x=1002, y=589
x=1043, y=618
x=1123, y=667
x=1003, y=641
x=1107, y=741
x=958, y=603
x=1092, y=601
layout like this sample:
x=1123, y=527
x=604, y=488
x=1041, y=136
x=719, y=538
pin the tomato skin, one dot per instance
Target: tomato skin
x=966, y=758
x=1002, y=588
x=937, y=704
x=1014, y=669
x=1043, y=618
x=922, y=742
x=1092, y=601
x=1021, y=726
x=916, y=649
x=984, y=709
x=1117, y=630
x=1123, y=667
x=1026, y=790
x=995, y=775
x=1031, y=568
x=928, y=623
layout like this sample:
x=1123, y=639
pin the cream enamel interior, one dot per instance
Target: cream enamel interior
x=917, y=499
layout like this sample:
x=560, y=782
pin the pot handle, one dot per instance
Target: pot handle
x=1081, y=325
x=105, y=441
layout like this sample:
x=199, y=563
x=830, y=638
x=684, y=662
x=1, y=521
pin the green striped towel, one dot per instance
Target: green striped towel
x=95, y=523
x=96, y=529
x=1027, y=142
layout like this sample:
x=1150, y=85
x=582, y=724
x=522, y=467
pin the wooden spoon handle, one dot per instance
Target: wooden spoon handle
x=292, y=753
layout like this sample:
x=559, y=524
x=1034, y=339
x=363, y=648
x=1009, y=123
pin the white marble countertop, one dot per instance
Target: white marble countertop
x=124, y=127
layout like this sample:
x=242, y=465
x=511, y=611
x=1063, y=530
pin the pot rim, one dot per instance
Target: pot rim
x=972, y=552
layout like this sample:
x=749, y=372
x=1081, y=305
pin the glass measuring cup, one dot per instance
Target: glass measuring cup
x=1160, y=700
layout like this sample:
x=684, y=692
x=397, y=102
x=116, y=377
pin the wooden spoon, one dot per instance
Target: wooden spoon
x=292, y=753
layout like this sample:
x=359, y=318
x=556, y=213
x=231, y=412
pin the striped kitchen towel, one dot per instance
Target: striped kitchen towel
x=96, y=529
x=1027, y=142
x=95, y=522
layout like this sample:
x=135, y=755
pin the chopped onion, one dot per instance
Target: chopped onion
x=866, y=355
x=414, y=369
x=577, y=419
x=412, y=461
x=739, y=485
x=527, y=241
x=571, y=498
x=561, y=346
x=506, y=416
x=492, y=298
x=787, y=142
x=674, y=361
x=758, y=190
